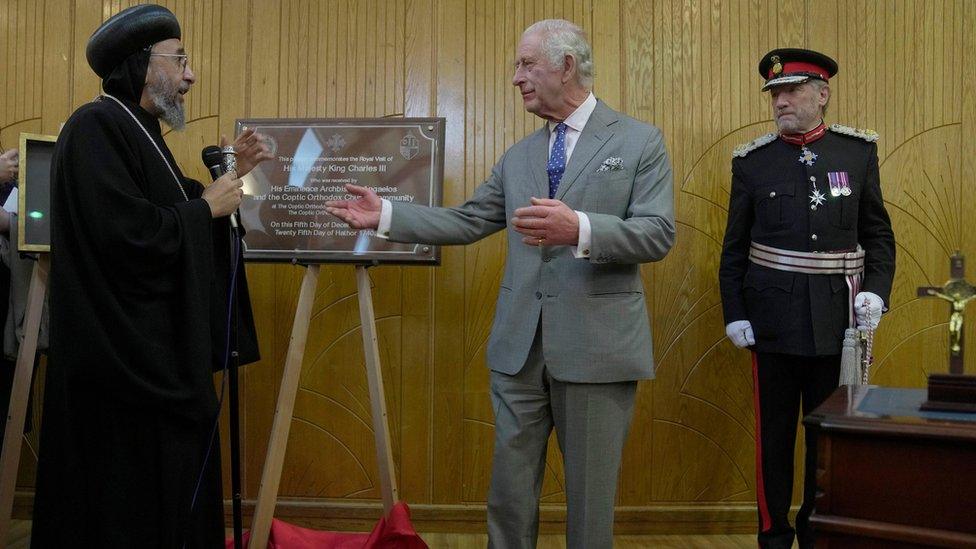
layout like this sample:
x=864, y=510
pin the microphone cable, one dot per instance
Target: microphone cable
x=231, y=293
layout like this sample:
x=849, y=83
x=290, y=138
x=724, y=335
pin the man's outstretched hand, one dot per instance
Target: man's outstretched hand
x=362, y=212
x=250, y=148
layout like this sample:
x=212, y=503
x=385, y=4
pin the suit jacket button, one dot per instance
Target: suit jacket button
x=772, y=194
x=547, y=259
x=538, y=295
x=813, y=237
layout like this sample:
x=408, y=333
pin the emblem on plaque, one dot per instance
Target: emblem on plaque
x=409, y=146
x=336, y=143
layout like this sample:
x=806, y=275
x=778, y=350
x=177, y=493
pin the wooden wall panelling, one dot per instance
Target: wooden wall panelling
x=229, y=29
x=253, y=49
x=54, y=94
x=447, y=362
x=200, y=30
x=322, y=457
x=608, y=35
x=966, y=89
x=21, y=50
x=687, y=66
x=46, y=61
x=483, y=260
x=86, y=17
x=370, y=77
x=420, y=71
x=700, y=402
x=639, y=88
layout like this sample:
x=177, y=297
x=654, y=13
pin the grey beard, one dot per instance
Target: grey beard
x=170, y=112
x=786, y=127
x=164, y=98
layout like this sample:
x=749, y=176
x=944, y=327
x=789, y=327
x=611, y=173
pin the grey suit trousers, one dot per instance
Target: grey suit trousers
x=591, y=421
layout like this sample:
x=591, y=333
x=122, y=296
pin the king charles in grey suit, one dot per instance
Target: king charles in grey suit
x=571, y=335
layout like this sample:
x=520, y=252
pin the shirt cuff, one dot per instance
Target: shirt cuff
x=11, y=204
x=582, y=248
x=386, y=219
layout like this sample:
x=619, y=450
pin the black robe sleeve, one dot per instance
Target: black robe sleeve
x=231, y=329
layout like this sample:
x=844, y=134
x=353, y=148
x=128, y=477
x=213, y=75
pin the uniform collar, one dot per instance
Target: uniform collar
x=805, y=138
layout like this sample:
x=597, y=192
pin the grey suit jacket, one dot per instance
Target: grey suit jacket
x=595, y=326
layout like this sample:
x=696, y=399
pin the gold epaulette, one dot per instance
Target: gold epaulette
x=742, y=150
x=868, y=135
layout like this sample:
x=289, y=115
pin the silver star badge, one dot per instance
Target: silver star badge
x=817, y=198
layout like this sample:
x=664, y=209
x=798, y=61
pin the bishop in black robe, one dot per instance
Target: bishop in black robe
x=139, y=283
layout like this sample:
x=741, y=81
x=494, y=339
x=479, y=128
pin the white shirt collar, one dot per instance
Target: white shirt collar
x=580, y=116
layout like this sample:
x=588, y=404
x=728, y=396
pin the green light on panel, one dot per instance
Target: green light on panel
x=36, y=214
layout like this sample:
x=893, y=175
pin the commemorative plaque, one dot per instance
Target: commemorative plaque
x=283, y=211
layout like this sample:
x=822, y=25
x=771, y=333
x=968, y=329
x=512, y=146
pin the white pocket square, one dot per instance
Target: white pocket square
x=612, y=164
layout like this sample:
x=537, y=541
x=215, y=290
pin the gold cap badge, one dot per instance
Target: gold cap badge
x=777, y=66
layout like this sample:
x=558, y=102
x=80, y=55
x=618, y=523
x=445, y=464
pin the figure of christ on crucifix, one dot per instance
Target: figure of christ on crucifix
x=958, y=292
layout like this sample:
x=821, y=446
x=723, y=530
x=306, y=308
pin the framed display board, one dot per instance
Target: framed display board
x=34, y=193
x=283, y=211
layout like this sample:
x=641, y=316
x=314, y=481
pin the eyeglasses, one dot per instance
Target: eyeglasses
x=182, y=58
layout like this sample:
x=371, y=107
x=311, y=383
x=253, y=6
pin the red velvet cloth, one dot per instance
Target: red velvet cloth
x=393, y=531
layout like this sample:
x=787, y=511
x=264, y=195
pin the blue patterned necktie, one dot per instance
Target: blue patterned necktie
x=557, y=159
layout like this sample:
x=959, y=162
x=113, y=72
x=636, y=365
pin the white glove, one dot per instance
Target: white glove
x=740, y=333
x=867, y=310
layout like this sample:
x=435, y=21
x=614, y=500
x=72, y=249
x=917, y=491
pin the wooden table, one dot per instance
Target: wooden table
x=891, y=476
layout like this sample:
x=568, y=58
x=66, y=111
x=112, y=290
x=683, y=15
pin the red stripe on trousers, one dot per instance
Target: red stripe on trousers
x=760, y=486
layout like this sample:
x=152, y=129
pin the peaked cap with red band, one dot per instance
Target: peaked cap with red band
x=795, y=66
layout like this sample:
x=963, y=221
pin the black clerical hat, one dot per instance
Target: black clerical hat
x=127, y=32
x=794, y=66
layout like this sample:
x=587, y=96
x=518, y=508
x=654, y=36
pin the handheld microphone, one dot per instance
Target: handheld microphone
x=228, y=159
x=219, y=162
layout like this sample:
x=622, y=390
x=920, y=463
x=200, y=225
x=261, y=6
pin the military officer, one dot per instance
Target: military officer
x=808, y=252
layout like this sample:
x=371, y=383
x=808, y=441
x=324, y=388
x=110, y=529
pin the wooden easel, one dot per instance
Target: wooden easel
x=271, y=476
x=19, y=393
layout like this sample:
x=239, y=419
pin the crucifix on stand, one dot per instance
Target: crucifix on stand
x=954, y=391
x=957, y=291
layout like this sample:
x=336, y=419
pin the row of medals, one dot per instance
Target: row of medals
x=817, y=198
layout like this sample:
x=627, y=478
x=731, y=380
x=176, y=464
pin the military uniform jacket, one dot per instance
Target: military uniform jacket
x=770, y=204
